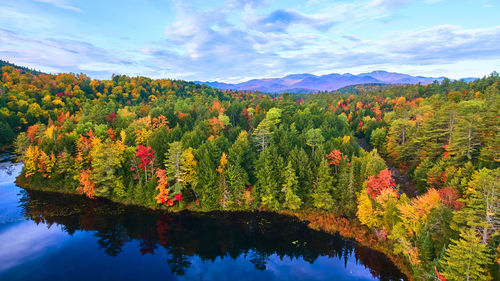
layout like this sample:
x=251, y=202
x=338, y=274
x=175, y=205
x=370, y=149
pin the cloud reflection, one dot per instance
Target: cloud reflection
x=26, y=241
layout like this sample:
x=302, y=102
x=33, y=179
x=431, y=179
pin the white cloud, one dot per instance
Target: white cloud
x=62, y=4
x=243, y=39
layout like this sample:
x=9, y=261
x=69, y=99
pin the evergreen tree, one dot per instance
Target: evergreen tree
x=322, y=193
x=173, y=159
x=426, y=249
x=466, y=135
x=467, y=258
x=6, y=133
x=291, y=200
x=482, y=205
x=269, y=168
x=236, y=173
x=302, y=166
x=208, y=156
x=377, y=139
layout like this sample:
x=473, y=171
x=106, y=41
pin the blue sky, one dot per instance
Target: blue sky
x=235, y=40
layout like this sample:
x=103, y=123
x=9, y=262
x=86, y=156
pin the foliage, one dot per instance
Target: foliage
x=161, y=142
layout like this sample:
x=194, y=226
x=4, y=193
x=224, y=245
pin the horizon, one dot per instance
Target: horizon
x=233, y=41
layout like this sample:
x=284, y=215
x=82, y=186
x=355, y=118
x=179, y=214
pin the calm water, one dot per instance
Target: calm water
x=46, y=236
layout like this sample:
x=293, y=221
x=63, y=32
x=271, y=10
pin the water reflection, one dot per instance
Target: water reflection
x=226, y=241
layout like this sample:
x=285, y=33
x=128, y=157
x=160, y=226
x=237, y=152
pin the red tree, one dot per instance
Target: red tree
x=146, y=158
x=382, y=181
x=449, y=196
x=335, y=158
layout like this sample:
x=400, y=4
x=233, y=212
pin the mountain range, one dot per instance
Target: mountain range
x=306, y=83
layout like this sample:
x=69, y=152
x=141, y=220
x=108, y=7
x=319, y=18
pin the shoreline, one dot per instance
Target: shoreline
x=315, y=219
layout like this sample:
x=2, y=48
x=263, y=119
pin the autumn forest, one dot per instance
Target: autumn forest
x=414, y=168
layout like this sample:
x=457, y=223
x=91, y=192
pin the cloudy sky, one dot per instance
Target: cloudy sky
x=235, y=40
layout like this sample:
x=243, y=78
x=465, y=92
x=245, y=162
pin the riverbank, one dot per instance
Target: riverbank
x=315, y=219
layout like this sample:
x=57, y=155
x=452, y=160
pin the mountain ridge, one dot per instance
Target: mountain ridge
x=306, y=82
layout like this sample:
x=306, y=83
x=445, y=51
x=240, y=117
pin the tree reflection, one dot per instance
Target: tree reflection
x=208, y=236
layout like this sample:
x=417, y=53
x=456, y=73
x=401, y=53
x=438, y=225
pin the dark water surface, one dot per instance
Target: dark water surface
x=48, y=236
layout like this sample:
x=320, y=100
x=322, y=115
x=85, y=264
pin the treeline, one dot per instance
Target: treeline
x=174, y=145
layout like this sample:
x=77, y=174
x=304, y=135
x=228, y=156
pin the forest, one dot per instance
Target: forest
x=416, y=166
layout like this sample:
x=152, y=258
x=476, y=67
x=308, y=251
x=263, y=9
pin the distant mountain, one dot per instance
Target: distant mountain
x=300, y=83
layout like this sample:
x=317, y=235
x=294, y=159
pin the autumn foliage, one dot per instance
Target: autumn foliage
x=376, y=184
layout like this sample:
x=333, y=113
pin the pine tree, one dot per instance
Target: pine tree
x=322, y=193
x=482, y=205
x=291, y=200
x=236, y=174
x=302, y=166
x=426, y=249
x=208, y=155
x=269, y=168
x=467, y=258
x=466, y=135
x=173, y=159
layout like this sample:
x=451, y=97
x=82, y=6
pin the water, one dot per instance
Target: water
x=48, y=236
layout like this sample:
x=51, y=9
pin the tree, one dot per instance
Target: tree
x=222, y=182
x=291, y=200
x=303, y=168
x=87, y=185
x=366, y=213
x=384, y=180
x=268, y=170
x=335, y=158
x=466, y=135
x=188, y=170
x=173, y=161
x=209, y=156
x=263, y=132
x=413, y=215
x=482, y=205
x=30, y=160
x=377, y=139
x=146, y=158
x=322, y=193
x=237, y=176
x=314, y=137
x=6, y=133
x=162, y=187
x=467, y=258
x=107, y=159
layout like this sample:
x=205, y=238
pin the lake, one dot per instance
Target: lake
x=50, y=236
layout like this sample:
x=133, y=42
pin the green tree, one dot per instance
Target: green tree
x=377, y=139
x=467, y=258
x=466, y=138
x=302, y=166
x=264, y=130
x=322, y=193
x=237, y=176
x=482, y=205
x=314, y=137
x=291, y=200
x=208, y=155
x=269, y=182
x=6, y=133
x=173, y=161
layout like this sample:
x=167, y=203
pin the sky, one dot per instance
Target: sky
x=237, y=40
